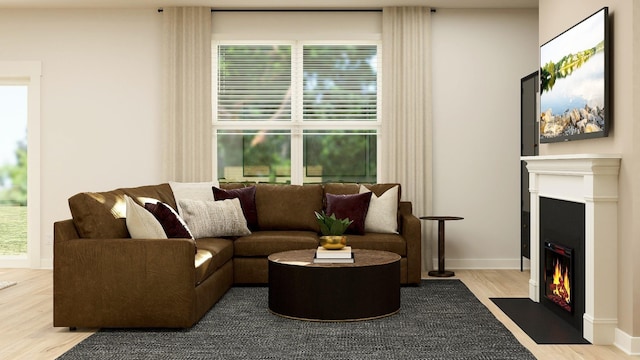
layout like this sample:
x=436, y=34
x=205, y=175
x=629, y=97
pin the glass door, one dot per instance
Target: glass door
x=13, y=171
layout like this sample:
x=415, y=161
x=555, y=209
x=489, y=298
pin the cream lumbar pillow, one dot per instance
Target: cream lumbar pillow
x=214, y=218
x=141, y=223
x=191, y=191
x=382, y=216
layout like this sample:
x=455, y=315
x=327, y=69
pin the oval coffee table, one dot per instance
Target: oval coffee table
x=369, y=288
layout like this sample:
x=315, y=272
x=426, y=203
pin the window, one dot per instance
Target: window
x=296, y=111
x=13, y=170
x=20, y=120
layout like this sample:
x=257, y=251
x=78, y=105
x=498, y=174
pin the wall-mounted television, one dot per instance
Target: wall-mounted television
x=574, y=82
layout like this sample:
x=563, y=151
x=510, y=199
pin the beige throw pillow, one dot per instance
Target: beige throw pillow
x=214, y=218
x=192, y=191
x=382, y=216
x=141, y=223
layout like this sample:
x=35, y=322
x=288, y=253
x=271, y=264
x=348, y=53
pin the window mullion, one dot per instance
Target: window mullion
x=297, y=124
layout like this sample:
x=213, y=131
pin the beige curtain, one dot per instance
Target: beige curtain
x=187, y=94
x=406, y=111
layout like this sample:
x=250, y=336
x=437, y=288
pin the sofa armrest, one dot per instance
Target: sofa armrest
x=123, y=282
x=410, y=229
x=64, y=230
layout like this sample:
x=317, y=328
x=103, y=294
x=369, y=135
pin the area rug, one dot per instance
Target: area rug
x=542, y=325
x=6, y=284
x=440, y=319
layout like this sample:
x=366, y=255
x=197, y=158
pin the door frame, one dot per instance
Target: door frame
x=28, y=73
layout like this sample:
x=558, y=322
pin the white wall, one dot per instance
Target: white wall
x=479, y=57
x=100, y=100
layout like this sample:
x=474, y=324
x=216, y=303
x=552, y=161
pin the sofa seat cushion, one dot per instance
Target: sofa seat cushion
x=265, y=243
x=212, y=254
x=377, y=241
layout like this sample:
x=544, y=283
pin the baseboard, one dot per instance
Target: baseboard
x=484, y=264
x=23, y=262
x=46, y=263
x=627, y=343
x=17, y=262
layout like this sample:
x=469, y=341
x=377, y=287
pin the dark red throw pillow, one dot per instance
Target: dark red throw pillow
x=353, y=206
x=247, y=197
x=171, y=222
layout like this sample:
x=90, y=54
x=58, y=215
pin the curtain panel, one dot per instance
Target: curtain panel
x=406, y=111
x=187, y=153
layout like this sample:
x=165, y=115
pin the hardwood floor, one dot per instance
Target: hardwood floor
x=513, y=283
x=27, y=332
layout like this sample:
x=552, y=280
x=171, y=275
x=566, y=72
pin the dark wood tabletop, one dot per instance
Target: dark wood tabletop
x=441, y=218
x=362, y=257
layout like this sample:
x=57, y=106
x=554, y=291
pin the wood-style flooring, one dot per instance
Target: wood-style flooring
x=27, y=332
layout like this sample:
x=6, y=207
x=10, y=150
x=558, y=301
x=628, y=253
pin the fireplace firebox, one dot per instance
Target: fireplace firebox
x=558, y=275
x=562, y=259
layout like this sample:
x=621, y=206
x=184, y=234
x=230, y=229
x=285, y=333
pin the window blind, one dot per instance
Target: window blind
x=340, y=82
x=254, y=82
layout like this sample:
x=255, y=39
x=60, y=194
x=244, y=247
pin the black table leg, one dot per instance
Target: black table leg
x=441, y=272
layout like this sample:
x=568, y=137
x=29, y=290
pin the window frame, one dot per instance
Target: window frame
x=296, y=125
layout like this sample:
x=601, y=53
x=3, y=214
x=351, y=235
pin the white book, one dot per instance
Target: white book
x=344, y=253
x=349, y=260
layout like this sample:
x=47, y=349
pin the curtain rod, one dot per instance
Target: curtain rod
x=293, y=10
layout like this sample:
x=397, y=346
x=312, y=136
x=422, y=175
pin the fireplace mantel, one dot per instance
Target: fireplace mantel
x=591, y=179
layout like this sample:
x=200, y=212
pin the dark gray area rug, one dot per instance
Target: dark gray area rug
x=440, y=319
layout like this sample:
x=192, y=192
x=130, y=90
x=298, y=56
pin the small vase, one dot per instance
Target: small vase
x=333, y=242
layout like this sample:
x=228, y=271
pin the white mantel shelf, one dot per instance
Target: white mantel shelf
x=574, y=164
x=591, y=179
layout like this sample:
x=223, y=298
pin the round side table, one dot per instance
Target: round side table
x=441, y=272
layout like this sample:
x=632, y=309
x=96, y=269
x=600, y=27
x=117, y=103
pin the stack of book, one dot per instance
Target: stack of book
x=344, y=255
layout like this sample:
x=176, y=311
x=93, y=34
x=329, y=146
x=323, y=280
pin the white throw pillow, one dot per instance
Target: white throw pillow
x=214, y=218
x=382, y=216
x=192, y=191
x=141, y=223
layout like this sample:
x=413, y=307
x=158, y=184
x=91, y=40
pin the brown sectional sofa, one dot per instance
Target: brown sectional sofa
x=104, y=278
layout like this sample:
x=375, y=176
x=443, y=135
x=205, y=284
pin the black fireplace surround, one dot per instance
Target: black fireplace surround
x=562, y=227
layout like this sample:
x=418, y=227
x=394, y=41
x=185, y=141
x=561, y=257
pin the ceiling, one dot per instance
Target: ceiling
x=268, y=4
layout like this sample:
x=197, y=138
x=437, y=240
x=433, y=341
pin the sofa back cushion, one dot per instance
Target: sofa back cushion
x=341, y=188
x=288, y=207
x=101, y=215
x=353, y=188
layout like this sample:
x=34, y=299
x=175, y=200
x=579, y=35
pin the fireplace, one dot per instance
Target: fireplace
x=591, y=182
x=562, y=275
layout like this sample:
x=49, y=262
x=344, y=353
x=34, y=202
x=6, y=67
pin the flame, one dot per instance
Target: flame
x=562, y=286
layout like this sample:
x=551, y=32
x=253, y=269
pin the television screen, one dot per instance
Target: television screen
x=574, y=76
